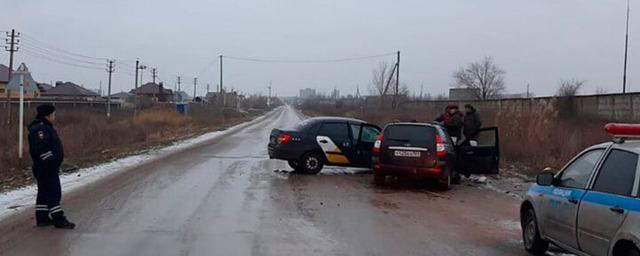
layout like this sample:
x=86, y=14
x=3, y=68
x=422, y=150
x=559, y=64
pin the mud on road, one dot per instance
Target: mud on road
x=225, y=197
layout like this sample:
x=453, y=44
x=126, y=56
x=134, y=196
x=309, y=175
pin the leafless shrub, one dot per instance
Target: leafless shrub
x=569, y=88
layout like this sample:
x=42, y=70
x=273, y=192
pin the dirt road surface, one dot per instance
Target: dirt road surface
x=227, y=198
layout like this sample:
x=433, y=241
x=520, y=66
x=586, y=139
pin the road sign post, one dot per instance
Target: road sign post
x=21, y=122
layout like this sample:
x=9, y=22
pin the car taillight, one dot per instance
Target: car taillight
x=378, y=143
x=283, y=138
x=441, y=150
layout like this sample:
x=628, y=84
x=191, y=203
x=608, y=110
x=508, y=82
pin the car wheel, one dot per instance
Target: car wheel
x=379, y=179
x=625, y=248
x=533, y=243
x=444, y=183
x=294, y=164
x=631, y=252
x=456, y=178
x=311, y=163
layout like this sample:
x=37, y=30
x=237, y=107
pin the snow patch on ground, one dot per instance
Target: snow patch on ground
x=15, y=201
x=510, y=224
x=507, y=182
x=330, y=170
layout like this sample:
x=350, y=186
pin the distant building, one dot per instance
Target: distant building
x=464, y=94
x=156, y=92
x=513, y=96
x=228, y=98
x=70, y=91
x=4, y=80
x=44, y=87
x=30, y=86
x=121, y=96
x=182, y=96
x=307, y=93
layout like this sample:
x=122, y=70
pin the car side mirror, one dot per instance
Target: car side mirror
x=546, y=178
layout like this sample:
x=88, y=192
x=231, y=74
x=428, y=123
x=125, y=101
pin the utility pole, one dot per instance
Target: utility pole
x=110, y=70
x=527, y=90
x=12, y=41
x=154, y=74
x=395, y=96
x=135, y=92
x=207, y=90
x=178, y=95
x=626, y=49
x=269, y=99
x=195, y=83
x=137, y=67
x=224, y=95
x=421, y=87
x=22, y=71
x=142, y=68
x=221, y=73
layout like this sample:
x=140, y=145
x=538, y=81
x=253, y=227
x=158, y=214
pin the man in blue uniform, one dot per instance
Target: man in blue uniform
x=47, y=154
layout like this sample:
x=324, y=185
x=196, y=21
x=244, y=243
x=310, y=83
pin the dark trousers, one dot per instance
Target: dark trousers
x=49, y=195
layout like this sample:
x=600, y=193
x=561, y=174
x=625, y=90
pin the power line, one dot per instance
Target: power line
x=210, y=64
x=44, y=51
x=44, y=57
x=47, y=45
x=310, y=61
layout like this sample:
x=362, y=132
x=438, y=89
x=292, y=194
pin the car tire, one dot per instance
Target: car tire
x=631, y=252
x=456, y=178
x=444, y=183
x=379, y=179
x=533, y=243
x=294, y=165
x=311, y=163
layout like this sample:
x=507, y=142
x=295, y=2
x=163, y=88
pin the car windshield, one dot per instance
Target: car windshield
x=414, y=135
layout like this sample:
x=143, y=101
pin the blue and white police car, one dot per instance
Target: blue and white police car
x=592, y=205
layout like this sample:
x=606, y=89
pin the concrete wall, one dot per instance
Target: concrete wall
x=614, y=107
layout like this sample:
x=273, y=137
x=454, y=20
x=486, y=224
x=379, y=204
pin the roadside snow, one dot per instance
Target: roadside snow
x=15, y=201
x=507, y=182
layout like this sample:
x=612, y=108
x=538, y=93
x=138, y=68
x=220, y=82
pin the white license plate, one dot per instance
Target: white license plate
x=406, y=153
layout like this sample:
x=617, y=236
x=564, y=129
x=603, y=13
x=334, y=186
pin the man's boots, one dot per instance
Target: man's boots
x=42, y=216
x=60, y=221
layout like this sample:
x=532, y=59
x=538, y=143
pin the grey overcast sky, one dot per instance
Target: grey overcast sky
x=535, y=41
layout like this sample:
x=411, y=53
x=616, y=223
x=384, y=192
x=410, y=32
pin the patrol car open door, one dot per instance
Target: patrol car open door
x=480, y=153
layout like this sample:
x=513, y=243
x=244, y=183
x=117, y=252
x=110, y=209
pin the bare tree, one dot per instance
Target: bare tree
x=484, y=76
x=569, y=88
x=380, y=81
x=402, y=91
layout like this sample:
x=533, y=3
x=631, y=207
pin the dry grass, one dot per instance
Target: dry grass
x=90, y=138
x=531, y=141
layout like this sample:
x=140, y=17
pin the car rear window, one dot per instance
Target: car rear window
x=304, y=125
x=414, y=135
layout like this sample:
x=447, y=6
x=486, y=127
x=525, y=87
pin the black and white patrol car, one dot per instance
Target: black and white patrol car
x=320, y=141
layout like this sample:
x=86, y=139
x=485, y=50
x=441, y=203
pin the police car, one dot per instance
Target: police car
x=320, y=141
x=591, y=206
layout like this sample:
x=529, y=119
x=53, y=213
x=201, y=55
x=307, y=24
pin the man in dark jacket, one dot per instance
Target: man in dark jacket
x=47, y=154
x=451, y=119
x=472, y=122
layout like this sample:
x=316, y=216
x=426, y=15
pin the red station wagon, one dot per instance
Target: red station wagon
x=425, y=151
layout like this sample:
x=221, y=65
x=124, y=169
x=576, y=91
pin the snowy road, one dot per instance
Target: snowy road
x=225, y=197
